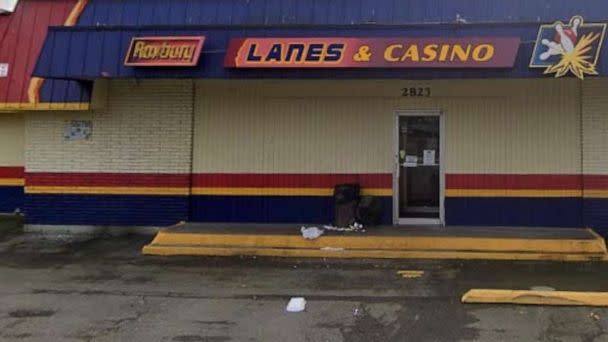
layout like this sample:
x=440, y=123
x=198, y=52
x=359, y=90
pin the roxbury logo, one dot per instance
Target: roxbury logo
x=164, y=51
x=575, y=47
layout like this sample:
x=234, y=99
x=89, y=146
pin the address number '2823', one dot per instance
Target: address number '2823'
x=416, y=92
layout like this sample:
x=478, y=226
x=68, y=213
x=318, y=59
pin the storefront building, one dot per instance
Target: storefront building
x=453, y=113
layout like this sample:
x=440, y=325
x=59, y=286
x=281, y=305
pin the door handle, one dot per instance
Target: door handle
x=397, y=164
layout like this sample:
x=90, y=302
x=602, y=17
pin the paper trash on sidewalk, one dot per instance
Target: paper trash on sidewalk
x=311, y=233
x=296, y=304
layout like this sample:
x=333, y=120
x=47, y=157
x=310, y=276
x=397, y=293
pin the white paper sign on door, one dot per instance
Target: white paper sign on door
x=411, y=161
x=428, y=157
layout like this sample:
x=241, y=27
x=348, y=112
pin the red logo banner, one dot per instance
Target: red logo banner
x=340, y=52
x=164, y=51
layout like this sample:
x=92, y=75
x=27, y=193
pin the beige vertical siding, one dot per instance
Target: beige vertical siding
x=249, y=134
x=514, y=126
x=12, y=139
x=595, y=126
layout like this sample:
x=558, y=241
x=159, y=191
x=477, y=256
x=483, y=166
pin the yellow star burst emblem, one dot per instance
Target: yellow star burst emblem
x=579, y=62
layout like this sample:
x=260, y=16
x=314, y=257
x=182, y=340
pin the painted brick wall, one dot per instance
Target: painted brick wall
x=595, y=153
x=145, y=129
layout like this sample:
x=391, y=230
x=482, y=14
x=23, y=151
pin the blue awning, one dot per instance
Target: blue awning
x=91, y=53
x=96, y=47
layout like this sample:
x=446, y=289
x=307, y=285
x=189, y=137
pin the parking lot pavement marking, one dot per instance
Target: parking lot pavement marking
x=410, y=274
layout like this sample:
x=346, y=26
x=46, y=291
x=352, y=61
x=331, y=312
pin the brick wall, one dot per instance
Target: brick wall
x=142, y=138
x=146, y=127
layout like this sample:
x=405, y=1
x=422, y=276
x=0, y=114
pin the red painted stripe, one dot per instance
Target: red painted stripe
x=291, y=180
x=11, y=172
x=596, y=182
x=545, y=182
x=107, y=179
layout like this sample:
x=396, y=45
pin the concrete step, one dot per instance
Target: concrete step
x=513, y=244
x=183, y=250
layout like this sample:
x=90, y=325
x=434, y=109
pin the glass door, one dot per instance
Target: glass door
x=418, y=194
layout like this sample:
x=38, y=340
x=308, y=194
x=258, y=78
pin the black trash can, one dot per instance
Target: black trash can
x=346, y=200
x=369, y=211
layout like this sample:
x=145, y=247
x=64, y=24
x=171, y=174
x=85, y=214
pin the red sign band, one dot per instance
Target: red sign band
x=164, y=51
x=331, y=52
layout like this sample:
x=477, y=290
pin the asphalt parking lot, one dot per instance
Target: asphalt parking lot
x=64, y=288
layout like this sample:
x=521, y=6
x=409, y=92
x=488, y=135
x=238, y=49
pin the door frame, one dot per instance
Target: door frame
x=396, y=169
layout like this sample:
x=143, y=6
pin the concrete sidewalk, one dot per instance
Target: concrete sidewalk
x=71, y=289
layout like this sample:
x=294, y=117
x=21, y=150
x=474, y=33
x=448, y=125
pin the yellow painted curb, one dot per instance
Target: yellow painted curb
x=409, y=243
x=486, y=296
x=332, y=252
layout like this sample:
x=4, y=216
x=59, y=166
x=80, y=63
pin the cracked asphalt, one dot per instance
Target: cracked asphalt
x=81, y=289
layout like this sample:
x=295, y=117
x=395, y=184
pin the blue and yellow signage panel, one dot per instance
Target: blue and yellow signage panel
x=569, y=48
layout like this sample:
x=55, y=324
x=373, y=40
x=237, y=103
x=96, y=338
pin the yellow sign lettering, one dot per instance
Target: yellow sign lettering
x=483, y=52
x=412, y=54
x=388, y=53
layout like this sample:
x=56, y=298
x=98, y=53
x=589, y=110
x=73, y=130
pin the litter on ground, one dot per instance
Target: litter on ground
x=355, y=227
x=296, y=304
x=410, y=273
x=311, y=233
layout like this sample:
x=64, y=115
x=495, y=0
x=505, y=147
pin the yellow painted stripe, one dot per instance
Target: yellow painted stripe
x=103, y=190
x=289, y=191
x=77, y=10
x=377, y=192
x=569, y=298
x=587, y=193
x=16, y=106
x=195, y=191
x=216, y=191
x=263, y=191
x=11, y=182
x=168, y=250
x=410, y=272
x=595, y=193
x=33, y=91
x=512, y=193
